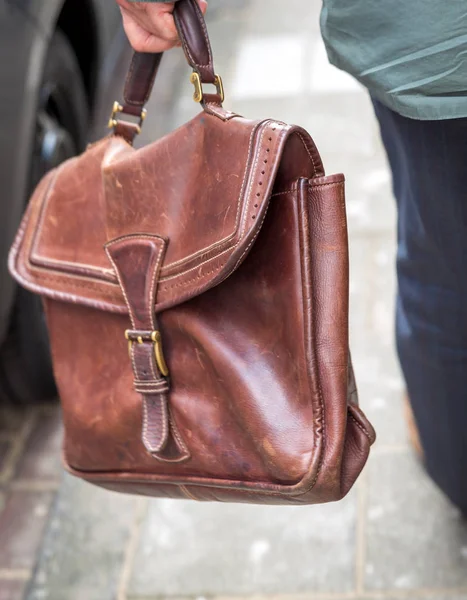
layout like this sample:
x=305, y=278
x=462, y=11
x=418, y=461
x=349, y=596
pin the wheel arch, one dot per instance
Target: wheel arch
x=70, y=17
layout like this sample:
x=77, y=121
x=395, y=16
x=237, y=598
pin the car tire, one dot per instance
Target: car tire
x=26, y=374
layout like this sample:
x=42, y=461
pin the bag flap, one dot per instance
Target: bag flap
x=205, y=188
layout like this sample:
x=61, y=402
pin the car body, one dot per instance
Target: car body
x=93, y=32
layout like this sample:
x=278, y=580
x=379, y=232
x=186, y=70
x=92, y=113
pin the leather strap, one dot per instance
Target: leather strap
x=137, y=260
x=193, y=34
x=139, y=81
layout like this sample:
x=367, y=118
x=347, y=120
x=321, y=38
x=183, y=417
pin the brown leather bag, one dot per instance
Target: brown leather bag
x=222, y=246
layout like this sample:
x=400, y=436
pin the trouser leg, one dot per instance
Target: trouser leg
x=428, y=160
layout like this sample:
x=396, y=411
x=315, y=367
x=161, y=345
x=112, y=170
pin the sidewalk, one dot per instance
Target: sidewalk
x=394, y=537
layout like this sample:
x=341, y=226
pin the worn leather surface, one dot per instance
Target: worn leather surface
x=227, y=240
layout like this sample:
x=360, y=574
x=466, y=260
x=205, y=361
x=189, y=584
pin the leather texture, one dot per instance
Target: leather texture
x=223, y=247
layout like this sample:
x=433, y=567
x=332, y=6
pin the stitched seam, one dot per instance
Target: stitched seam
x=283, y=193
x=184, y=283
x=43, y=260
x=308, y=151
x=165, y=419
x=187, y=494
x=152, y=293
x=127, y=96
x=239, y=203
x=151, y=84
x=324, y=185
x=129, y=77
x=133, y=360
x=362, y=429
x=206, y=38
x=64, y=296
x=254, y=238
x=177, y=436
x=88, y=285
x=146, y=441
x=305, y=246
x=187, y=49
x=145, y=424
x=162, y=400
x=197, y=267
x=218, y=111
x=121, y=286
x=210, y=108
x=253, y=179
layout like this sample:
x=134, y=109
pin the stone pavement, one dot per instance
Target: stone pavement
x=394, y=537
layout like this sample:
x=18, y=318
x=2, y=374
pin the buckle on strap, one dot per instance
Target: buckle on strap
x=199, y=93
x=118, y=108
x=140, y=337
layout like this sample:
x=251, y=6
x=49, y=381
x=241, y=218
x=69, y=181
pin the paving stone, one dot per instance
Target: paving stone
x=372, y=299
x=384, y=408
x=427, y=596
x=12, y=590
x=189, y=549
x=416, y=539
x=85, y=543
x=22, y=523
x=41, y=456
x=373, y=291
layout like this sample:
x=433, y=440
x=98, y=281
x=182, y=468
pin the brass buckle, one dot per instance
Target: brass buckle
x=156, y=339
x=199, y=94
x=118, y=108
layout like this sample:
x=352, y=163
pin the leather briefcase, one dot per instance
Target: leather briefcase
x=196, y=295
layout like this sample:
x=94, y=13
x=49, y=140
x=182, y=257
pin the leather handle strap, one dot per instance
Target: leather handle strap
x=193, y=34
x=139, y=81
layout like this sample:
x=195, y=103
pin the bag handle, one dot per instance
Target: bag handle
x=194, y=37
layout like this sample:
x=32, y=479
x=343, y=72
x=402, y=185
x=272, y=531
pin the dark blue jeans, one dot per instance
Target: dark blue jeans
x=429, y=166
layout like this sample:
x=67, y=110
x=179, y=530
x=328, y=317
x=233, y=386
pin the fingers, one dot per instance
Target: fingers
x=143, y=39
x=151, y=27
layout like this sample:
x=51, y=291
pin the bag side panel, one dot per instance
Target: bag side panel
x=346, y=440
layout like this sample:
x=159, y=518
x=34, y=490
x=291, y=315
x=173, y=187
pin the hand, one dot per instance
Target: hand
x=150, y=27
